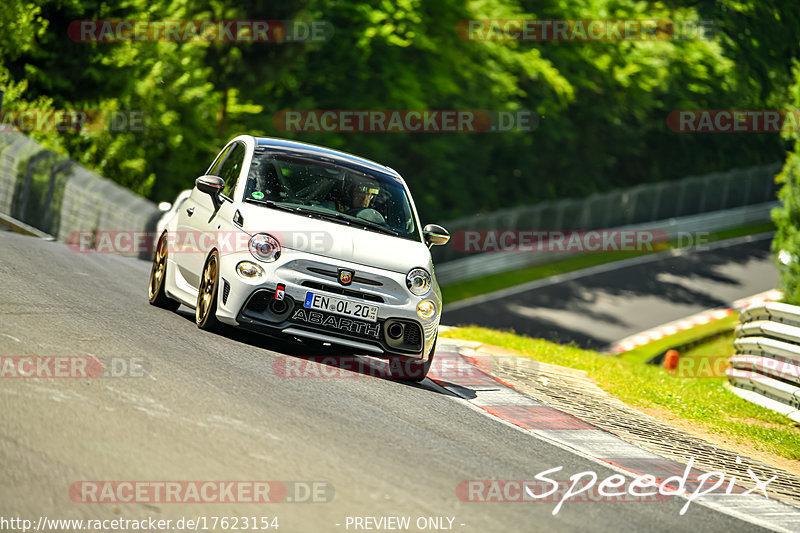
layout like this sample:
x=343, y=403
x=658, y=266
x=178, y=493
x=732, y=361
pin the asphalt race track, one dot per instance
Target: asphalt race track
x=211, y=407
x=596, y=307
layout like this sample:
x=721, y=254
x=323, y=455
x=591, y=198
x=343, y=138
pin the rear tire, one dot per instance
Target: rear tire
x=158, y=275
x=205, y=312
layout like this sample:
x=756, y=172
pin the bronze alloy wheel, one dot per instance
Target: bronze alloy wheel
x=158, y=274
x=205, y=313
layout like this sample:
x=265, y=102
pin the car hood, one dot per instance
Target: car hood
x=336, y=241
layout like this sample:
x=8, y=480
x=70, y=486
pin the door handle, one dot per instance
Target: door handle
x=190, y=211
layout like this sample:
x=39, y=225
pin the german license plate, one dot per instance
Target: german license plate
x=341, y=306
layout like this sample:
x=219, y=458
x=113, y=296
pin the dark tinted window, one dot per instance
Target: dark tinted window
x=326, y=190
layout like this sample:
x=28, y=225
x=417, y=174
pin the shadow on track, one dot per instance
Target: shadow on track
x=302, y=358
x=675, y=280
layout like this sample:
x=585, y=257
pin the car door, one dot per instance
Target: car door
x=193, y=220
x=220, y=223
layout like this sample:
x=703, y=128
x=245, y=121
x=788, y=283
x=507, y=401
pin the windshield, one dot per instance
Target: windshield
x=370, y=201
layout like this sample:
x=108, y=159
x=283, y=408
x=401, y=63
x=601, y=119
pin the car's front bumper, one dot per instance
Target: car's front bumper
x=251, y=304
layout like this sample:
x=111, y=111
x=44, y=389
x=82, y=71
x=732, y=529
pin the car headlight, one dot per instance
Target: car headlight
x=426, y=309
x=264, y=247
x=249, y=270
x=418, y=281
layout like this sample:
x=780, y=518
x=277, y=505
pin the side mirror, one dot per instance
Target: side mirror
x=212, y=186
x=164, y=206
x=435, y=234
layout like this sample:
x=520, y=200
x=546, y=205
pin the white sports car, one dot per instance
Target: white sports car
x=287, y=238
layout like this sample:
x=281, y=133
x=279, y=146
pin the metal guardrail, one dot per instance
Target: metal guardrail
x=56, y=196
x=766, y=366
x=484, y=264
x=623, y=208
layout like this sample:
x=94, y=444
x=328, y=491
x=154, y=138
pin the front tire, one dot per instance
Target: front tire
x=411, y=370
x=205, y=313
x=158, y=276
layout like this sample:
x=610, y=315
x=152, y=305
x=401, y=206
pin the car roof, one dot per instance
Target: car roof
x=324, y=153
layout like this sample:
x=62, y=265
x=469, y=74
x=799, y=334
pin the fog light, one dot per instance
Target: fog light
x=426, y=309
x=249, y=270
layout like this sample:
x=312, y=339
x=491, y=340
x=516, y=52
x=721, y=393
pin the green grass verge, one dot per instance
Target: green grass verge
x=646, y=351
x=700, y=400
x=495, y=282
x=721, y=346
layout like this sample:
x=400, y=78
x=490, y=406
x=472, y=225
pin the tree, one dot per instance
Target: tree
x=601, y=106
x=786, y=244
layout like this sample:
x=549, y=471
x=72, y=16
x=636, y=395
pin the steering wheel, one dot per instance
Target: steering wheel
x=368, y=214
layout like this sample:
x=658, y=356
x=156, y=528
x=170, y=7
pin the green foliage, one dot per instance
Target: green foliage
x=701, y=401
x=786, y=244
x=602, y=106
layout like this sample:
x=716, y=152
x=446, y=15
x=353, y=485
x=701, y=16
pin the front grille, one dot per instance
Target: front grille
x=259, y=301
x=335, y=275
x=226, y=290
x=343, y=291
x=412, y=335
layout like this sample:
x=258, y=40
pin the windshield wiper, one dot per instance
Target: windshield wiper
x=273, y=204
x=375, y=225
x=330, y=215
x=358, y=222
